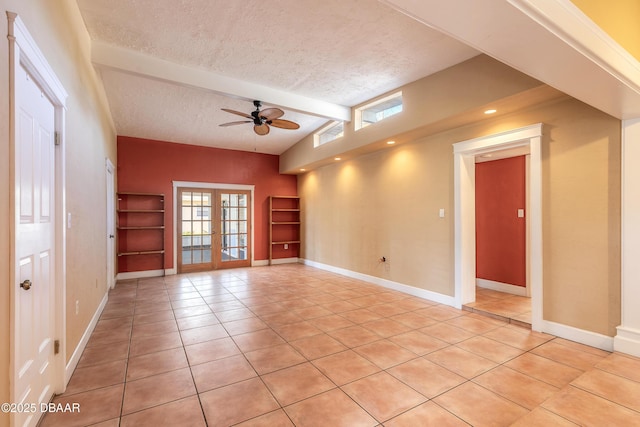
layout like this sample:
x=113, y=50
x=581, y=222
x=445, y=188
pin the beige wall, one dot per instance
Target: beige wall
x=59, y=31
x=386, y=204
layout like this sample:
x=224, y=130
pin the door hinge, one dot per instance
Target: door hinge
x=56, y=347
x=56, y=138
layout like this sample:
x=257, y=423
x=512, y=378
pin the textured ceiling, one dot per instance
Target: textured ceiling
x=337, y=51
x=148, y=108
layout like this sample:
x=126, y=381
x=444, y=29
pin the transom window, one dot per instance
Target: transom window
x=378, y=110
x=332, y=131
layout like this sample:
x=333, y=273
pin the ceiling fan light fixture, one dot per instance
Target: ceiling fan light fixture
x=262, y=120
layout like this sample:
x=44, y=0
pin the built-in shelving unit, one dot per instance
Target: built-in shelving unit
x=140, y=232
x=284, y=227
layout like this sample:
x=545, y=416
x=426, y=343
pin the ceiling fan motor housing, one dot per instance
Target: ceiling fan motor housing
x=262, y=119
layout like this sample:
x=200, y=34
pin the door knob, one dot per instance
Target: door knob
x=111, y=236
x=26, y=285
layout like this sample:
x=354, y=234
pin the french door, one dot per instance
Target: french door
x=213, y=229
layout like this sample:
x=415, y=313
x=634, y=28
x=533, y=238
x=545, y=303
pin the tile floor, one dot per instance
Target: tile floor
x=293, y=345
x=499, y=305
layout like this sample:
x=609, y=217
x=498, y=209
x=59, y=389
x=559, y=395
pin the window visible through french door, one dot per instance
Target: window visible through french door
x=213, y=229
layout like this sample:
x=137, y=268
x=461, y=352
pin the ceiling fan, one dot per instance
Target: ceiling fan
x=262, y=119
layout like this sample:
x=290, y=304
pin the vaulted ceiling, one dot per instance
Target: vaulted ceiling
x=169, y=66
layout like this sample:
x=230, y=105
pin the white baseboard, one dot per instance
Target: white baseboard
x=77, y=353
x=502, y=287
x=293, y=260
x=592, y=339
x=627, y=341
x=141, y=274
x=411, y=290
x=259, y=263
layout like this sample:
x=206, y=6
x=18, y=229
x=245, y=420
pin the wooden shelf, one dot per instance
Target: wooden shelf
x=140, y=253
x=284, y=225
x=126, y=193
x=141, y=231
x=140, y=210
x=150, y=227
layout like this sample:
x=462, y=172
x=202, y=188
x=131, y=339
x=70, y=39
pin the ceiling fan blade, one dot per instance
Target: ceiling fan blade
x=284, y=124
x=271, y=113
x=237, y=113
x=236, y=123
x=262, y=129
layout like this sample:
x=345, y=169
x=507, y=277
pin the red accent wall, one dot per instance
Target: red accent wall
x=149, y=166
x=500, y=234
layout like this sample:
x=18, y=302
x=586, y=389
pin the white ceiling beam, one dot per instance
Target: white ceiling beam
x=550, y=40
x=129, y=61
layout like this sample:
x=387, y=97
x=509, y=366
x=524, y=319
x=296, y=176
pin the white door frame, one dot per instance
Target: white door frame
x=111, y=224
x=23, y=52
x=465, y=153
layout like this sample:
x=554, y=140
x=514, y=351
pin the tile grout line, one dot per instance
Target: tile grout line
x=237, y=289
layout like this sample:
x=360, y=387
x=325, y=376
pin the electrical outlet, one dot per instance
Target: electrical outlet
x=77, y=306
x=286, y=246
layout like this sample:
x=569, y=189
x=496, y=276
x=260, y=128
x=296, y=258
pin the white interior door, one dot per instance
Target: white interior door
x=33, y=367
x=110, y=225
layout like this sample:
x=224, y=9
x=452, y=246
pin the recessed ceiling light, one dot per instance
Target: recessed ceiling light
x=491, y=111
x=390, y=142
x=337, y=158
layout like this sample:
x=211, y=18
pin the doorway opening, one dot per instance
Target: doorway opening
x=520, y=141
x=213, y=228
x=501, y=229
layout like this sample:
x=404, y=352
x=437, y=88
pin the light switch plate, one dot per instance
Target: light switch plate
x=441, y=213
x=520, y=213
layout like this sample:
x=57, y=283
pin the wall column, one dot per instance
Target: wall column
x=627, y=339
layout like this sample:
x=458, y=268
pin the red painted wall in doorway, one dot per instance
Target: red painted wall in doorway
x=500, y=234
x=149, y=166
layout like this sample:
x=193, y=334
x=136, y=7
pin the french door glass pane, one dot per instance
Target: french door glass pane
x=196, y=227
x=186, y=211
x=233, y=226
